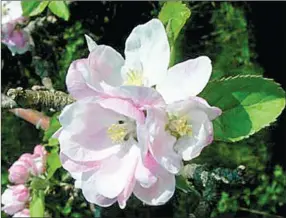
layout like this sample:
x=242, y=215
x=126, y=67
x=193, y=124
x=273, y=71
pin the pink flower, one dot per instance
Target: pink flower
x=15, y=198
x=39, y=158
x=106, y=140
x=22, y=213
x=17, y=40
x=27, y=165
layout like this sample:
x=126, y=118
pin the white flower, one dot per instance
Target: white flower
x=11, y=11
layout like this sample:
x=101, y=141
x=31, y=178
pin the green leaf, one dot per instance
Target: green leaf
x=39, y=183
x=53, y=163
x=54, y=126
x=174, y=15
x=182, y=184
x=60, y=9
x=29, y=6
x=248, y=104
x=37, y=204
x=39, y=9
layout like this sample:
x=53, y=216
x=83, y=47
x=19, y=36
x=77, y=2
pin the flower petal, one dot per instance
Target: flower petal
x=118, y=168
x=191, y=76
x=144, y=173
x=161, y=142
x=141, y=97
x=190, y=147
x=105, y=65
x=194, y=103
x=147, y=49
x=76, y=83
x=160, y=192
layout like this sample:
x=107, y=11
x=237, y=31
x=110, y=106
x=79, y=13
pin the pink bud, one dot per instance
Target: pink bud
x=40, y=155
x=22, y=213
x=15, y=198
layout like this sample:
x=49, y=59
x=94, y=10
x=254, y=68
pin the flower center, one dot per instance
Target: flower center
x=179, y=126
x=134, y=78
x=121, y=131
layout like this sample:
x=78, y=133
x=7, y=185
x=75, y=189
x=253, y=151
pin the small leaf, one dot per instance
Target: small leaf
x=54, y=126
x=53, y=163
x=39, y=183
x=60, y=9
x=174, y=15
x=37, y=204
x=91, y=44
x=248, y=104
x=53, y=142
x=29, y=6
x=39, y=9
x=182, y=184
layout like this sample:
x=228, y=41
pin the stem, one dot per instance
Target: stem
x=259, y=212
x=48, y=99
x=33, y=117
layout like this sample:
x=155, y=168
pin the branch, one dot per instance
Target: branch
x=47, y=99
x=7, y=102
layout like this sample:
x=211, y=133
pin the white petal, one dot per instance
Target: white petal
x=91, y=44
x=161, y=142
x=160, y=192
x=105, y=65
x=194, y=103
x=147, y=49
x=113, y=176
x=190, y=147
x=185, y=79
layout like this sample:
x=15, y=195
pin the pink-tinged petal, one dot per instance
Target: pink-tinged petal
x=144, y=173
x=190, y=147
x=19, y=173
x=194, y=103
x=161, y=142
x=160, y=192
x=78, y=166
x=40, y=150
x=105, y=64
x=127, y=191
x=91, y=194
x=147, y=49
x=22, y=213
x=126, y=108
x=141, y=97
x=76, y=84
x=113, y=176
x=14, y=199
x=191, y=76
x=84, y=135
x=76, y=150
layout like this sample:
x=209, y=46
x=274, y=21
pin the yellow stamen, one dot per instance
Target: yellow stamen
x=117, y=133
x=178, y=126
x=134, y=78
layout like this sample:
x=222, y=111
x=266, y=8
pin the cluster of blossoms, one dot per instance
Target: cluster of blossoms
x=17, y=40
x=16, y=197
x=135, y=120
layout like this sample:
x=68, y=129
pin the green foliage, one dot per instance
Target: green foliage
x=75, y=49
x=33, y=8
x=53, y=162
x=174, y=16
x=182, y=184
x=231, y=43
x=37, y=205
x=60, y=9
x=53, y=127
x=249, y=103
x=38, y=183
x=266, y=196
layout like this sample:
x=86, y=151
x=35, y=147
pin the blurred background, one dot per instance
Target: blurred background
x=239, y=37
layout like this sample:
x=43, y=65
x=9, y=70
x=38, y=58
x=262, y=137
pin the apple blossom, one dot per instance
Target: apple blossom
x=15, y=198
x=17, y=40
x=103, y=140
x=28, y=164
x=22, y=213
